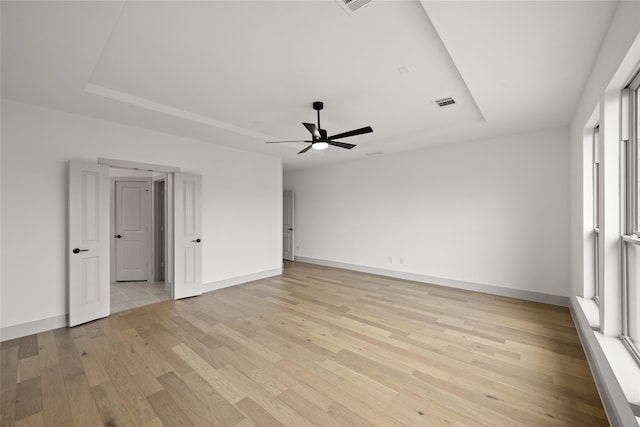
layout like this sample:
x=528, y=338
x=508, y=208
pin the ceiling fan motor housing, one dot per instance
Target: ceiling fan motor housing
x=318, y=105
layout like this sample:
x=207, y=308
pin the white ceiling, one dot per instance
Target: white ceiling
x=239, y=73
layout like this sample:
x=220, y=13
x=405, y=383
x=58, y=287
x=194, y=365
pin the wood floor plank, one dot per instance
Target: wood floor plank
x=128, y=389
x=28, y=346
x=47, y=350
x=28, y=398
x=230, y=391
x=168, y=411
x=35, y=420
x=258, y=414
x=222, y=410
x=28, y=368
x=270, y=404
x=83, y=404
x=111, y=407
x=91, y=361
x=198, y=413
x=316, y=346
x=8, y=382
x=56, y=407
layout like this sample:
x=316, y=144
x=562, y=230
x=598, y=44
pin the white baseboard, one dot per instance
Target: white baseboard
x=225, y=283
x=451, y=283
x=35, y=327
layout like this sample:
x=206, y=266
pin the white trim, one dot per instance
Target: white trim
x=611, y=393
x=149, y=167
x=225, y=283
x=172, y=111
x=34, y=327
x=451, y=283
x=591, y=311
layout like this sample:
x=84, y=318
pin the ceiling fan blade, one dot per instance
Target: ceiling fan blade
x=340, y=144
x=352, y=133
x=304, y=150
x=313, y=129
x=279, y=142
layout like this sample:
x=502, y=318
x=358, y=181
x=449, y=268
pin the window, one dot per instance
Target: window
x=631, y=239
x=596, y=212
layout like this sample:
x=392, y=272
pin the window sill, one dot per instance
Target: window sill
x=615, y=371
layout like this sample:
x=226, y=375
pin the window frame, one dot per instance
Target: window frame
x=629, y=129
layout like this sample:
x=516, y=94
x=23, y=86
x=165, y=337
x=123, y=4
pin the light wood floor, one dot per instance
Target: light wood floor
x=317, y=346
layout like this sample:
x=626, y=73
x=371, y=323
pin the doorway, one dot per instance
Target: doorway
x=91, y=234
x=288, y=230
x=138, y=244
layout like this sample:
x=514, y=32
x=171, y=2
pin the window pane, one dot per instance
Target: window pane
x=633, y=293
x=596, y=264
x=596, y=196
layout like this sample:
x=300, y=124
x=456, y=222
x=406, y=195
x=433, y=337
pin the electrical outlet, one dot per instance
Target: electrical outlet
x=390, y=260
x=401, y=260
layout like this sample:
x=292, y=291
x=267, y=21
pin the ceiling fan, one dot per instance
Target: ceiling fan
x=319, y=138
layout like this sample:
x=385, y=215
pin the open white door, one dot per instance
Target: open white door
x=88, y=249
x=288, y=252
x=187, y=235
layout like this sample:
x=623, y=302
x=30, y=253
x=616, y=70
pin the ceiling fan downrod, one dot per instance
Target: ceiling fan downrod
x=318, y=105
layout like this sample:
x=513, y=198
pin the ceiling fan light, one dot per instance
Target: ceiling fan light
x=320, y=145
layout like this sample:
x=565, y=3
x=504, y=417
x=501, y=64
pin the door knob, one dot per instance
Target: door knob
x=291, y=229
x=118, y=236
x=197, y=240
x=77, y=250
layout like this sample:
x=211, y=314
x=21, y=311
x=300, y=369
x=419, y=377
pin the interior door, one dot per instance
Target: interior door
x=288, y=252
x=132, y=227
x=187, y=235
x=88, y=251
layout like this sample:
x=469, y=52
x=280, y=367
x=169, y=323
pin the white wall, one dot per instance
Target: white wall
x=493, y=212
x=242, y=202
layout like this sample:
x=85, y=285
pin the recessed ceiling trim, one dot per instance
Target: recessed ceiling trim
x=172, y=111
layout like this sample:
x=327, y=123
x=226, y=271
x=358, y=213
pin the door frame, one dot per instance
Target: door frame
x=168, y=209
x=112, y=224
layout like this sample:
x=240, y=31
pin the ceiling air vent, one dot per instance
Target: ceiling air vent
x=351, y=6
x=445, y=102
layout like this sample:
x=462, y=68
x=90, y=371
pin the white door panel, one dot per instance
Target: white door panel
x=187, y=235
x=132, y=224
x=88, y=261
